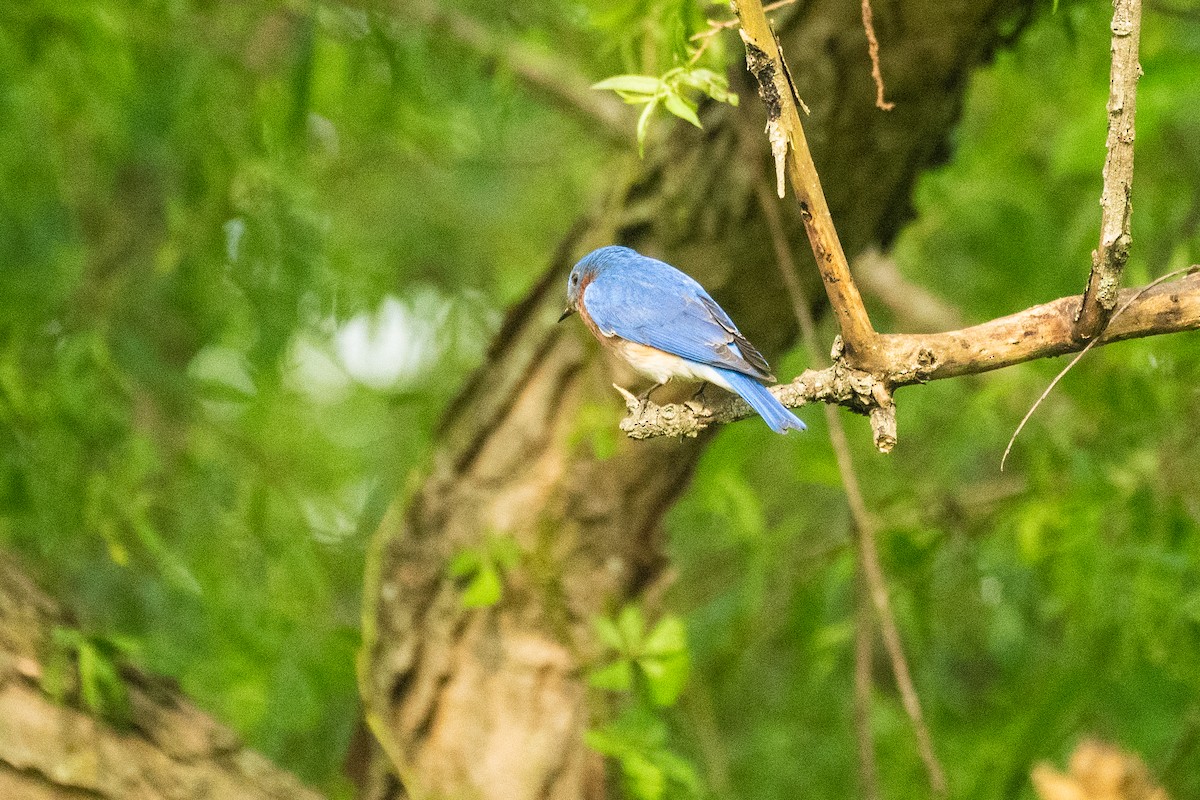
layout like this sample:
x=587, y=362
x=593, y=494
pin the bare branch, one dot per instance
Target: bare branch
x=1038, y=332
x=715, y=27
x=1108, y=260
x=784, y=131
x=873, y=51
x=839, y=385
x=865, y=527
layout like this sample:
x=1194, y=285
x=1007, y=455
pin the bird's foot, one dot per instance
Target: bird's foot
x=645, y=396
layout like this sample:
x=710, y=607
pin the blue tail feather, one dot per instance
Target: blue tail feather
x=773, y=412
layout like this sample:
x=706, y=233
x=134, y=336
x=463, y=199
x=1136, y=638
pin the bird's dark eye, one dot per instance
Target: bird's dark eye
x=574, y=279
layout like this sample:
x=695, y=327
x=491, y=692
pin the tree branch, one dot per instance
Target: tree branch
x=784, y=130
x=56, y=749
x=1108, y=260
x=1038, y=332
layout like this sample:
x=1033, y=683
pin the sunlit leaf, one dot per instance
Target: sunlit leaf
x=608, y=633
x=632, y=626
x=484, y=588
x=667, y=637
x=681, y=108
x=614, y=677
x=644, y=778
x=666, y=676
x=632, y=88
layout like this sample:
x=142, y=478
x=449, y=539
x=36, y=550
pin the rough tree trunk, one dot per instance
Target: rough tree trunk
x=50, y=751
x=490, y=703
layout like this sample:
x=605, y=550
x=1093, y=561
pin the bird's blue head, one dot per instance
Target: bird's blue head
x=588, y=268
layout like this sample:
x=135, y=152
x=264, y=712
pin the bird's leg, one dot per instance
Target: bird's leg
x=699, y=395
x=644, y=397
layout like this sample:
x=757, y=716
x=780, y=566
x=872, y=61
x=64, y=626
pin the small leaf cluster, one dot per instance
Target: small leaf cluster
x=656, y=660
x=87, y=666
x=652, y=666
x=480, y=570
x=639, y=740
x=675, y=90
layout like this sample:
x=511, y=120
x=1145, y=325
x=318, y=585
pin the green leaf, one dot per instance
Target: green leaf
x=614, y=677
x=484, y=589
x=87, y=659
x=643, y=125
x=679, y=771
x=644, y=778
x=632, y=625
x=666, y=676
x=667, y=638
x=631, y=87
x=608, y=633
x=712, y=84
x=504, y=551
x=607, y=741
x=464, y=563
x=681, y=108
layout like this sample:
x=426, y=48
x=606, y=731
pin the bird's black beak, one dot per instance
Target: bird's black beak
x=568, y=311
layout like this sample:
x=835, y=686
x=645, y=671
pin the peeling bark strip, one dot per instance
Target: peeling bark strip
x=1038, y=332
x=50, y=751
x=1108, y=260
x=759, y=64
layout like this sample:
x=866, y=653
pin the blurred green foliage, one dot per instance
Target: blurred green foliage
x=248, y=252
x=217, y=221
x=649, y=667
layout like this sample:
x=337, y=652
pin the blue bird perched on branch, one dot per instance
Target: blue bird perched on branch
x=666, y=326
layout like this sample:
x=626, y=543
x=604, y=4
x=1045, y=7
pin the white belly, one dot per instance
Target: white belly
x=661, y=366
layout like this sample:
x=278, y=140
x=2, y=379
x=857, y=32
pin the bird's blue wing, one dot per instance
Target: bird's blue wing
x=652, y=303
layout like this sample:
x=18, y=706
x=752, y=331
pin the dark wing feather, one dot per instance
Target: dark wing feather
x=748, y=351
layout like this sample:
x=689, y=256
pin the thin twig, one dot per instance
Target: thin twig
x=785, y=133
x=865, y=527
x=1081, y=354
x=868, y=19
x=1108, y=260
x=864, y=631
x=864, y=523
x=715, y=27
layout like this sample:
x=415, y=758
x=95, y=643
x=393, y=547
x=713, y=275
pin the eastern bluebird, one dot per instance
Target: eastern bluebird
x=666, y=326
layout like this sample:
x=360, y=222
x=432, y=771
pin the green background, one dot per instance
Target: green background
x=213, y=213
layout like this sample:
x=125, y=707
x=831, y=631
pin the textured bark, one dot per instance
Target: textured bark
x=490, y=703
x=50, y=751
x=1108, y=260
